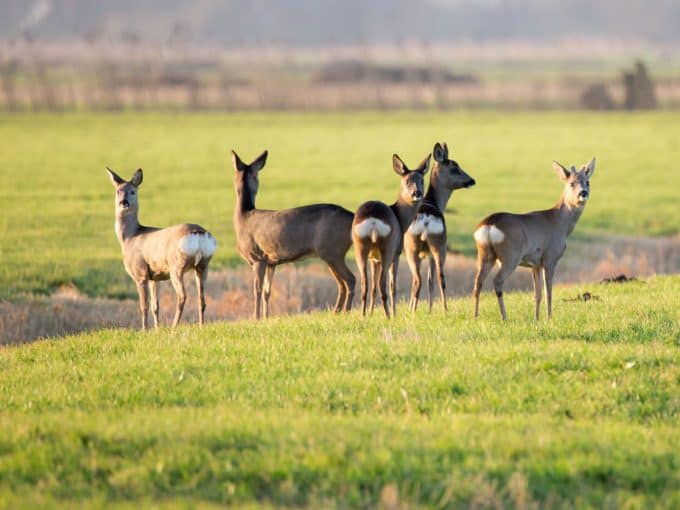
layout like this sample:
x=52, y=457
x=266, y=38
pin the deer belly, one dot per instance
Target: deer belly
x=532, y=259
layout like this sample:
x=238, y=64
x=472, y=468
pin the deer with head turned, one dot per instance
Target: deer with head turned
x=536, y=240
x=426, y=236
x=153, y=254
x=378, y=234
x=266, y=239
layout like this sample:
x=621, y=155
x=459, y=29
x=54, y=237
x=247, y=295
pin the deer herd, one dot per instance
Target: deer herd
x=414, y=223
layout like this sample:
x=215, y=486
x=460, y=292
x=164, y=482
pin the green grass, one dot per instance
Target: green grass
x=332, y=411
x=56, y=225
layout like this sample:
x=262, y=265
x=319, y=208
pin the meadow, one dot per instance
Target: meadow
x=56, y=226
x=326, y=411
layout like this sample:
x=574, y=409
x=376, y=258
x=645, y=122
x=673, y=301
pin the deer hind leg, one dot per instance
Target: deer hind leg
x=376, y=269
x=142, y=290
x=394, y=269
x=484, y=264
x=267, y=288
x=439, y=260
x=413, y=261
x=548, y=274
x=361, y=255
x=177, y=279
x=507, y=267
x=153, y=292
x=345, y=281
x=201, y=275
x=382, y=279
x=536, y=274
x=258, y=277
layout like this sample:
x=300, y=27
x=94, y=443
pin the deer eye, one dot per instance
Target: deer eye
x=573, y=184
x=132, y=192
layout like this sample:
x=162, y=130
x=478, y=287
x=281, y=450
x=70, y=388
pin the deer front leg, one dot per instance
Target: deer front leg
x=259, y=269
x=142, y=290
x=177, y=280
x=548, y=273
x=536, y=274
x=267, y=288
x=200, y=275
x=153, y=291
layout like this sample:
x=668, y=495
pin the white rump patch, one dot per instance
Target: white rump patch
x=373, y=228
x=198, y=245
x=489, y=234
x=426, y=224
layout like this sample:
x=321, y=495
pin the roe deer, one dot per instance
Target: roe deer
x=266, y=239
x=378, y=233
x=426, y=236
x=153, y=254
x=536, y=239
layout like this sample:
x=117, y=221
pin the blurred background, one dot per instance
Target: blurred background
x=339, y=54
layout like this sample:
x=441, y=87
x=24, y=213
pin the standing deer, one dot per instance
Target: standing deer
x=426, y=236
x=378, y=233
x=536, y=239
x=266, y=239
x=153, y=254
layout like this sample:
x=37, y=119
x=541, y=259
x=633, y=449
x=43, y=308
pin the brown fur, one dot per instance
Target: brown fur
x=536, y=239
x=266, y=239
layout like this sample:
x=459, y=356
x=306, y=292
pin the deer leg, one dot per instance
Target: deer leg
x=361, y=256
x=548, y=273
x=439, y=258
x=201, y=274
x=484, y=265
x=258, y=276
x=349, y=280
x=376, y=269
x=413, y=261
x=153, y=291
x=177, y=280
x=536, y=274
x=430, y=283
x=507, y=267
x=142, y=290
x=394, y=269
x=267, y=288
x=383, y=288
x=339, y=281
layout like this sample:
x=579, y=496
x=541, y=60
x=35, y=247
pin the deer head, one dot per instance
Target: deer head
x=576, y=183
x=412, y=181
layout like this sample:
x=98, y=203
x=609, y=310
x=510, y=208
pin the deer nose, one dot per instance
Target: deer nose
x=471, y=182
x=417, y=194
x=583, y=194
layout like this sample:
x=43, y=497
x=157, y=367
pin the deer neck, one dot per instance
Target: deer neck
x=245, y=201
x=127, y=226
x=568, y=215
x=405, y=212
x=437, y=195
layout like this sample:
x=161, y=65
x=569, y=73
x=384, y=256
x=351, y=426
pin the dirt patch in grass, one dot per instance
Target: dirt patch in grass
x=308, y=287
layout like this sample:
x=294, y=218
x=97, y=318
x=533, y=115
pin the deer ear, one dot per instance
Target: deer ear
x=424, y=165
x=259, y=161
x=439, y=153
x=238, y=164
x=116, y=179
x=590, y=169
x=398, y=165
x=562, y=172
x=137, y=178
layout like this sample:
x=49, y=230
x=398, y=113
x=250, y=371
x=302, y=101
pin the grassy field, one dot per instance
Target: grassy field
x=331, y=411
x=56, y=225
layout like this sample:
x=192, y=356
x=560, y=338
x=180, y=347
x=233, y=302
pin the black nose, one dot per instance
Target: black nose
x=417, y=194
x=125, y=203
x=471, y=182
x=583, y=194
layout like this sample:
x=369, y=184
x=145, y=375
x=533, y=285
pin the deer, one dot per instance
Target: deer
x=378, y=234
x=152, y=254
x=268, y=238
x=426, y=236
x=536, y=240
